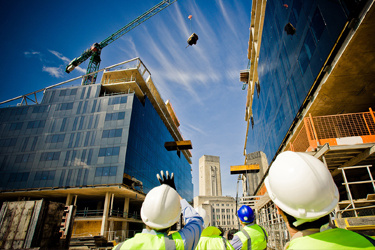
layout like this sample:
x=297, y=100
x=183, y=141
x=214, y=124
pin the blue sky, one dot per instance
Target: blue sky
x=40, y=37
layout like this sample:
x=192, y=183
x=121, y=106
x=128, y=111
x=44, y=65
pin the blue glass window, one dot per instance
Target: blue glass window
x=21, y=111
x=73, y=92
x=115, y=116
x=40, y=109
x=66, y=106
x=44, y=175
x=109, y=151
x=33, y=145
x=105, y=171
x=19, y=177
x=36, y=124
x=63, y=124
x=55, y=138
x=15, y=126
x=9, y=142
x=24, y=158
x=110, y=133
x=50, y=156
x=63, y=92
x=62, y=176
x=307, y=51
x=317, y=25
x=117, y=100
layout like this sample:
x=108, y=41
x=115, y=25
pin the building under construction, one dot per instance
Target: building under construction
x=96, y=146
x=310, y=88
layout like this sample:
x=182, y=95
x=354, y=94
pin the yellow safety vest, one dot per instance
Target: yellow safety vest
x=151, y=241
x=211, y=239
x=253, y=237
x=336, y=238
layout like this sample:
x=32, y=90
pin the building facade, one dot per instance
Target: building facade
x=209, y=176
x=309, y=89
x=98, y=146
x=221, y=210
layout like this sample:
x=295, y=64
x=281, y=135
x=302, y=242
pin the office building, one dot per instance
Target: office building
x=97, y=146
x=209, y=176
x=310, y=89
x=221, y=210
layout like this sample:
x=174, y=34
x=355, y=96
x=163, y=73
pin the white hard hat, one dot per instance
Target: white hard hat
x=204, y=215
x=301, y=185
x=161, y=207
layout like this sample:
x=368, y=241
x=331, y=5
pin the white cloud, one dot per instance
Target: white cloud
x=53, y=71
x=27, y=53
x=66, y=60
x=30, y=54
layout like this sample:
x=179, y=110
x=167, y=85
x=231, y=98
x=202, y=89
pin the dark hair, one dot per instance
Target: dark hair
x=307, y=225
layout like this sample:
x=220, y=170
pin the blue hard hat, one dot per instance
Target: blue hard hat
x=246, y=214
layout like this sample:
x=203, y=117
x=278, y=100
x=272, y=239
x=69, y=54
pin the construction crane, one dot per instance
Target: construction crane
x=95, y=50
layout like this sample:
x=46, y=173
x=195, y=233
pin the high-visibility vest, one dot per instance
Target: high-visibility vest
x=253, y=237
x=211, y=239
x=151, y=241
x=336, y=238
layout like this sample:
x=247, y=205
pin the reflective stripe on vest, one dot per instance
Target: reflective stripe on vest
x=336, y=238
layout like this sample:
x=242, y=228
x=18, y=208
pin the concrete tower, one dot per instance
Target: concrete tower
x=209, y=176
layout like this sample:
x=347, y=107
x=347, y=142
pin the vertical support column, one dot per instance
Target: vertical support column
x=372, y=114
x=111, y=208
x=126, y=207
x=105, y=214
x=314, y=130
x=125, y=224
x=69, y=200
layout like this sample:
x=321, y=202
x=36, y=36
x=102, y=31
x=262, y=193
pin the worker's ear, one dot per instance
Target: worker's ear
x=279, y=211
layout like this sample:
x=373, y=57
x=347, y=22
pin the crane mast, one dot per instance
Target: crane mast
x=95, y=50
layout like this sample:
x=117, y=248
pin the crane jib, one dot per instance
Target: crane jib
x=95, y=49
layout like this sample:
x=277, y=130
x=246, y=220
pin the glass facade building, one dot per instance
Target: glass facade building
x=83, y=136
x=288, y=64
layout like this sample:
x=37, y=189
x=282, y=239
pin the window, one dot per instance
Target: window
x=40, y=109
x=19, y=177
x=307, y=51
x=24, y=158
x=62, y=92
x=21, y=111
x=66, y=106
x=15, y=126
x=105, y=171
x=115, y=116
x=9, y=142
x=44, y=175
x=36, y=124
x=110, y=133
x=55, y=138
x=63, y=124
x=109, y=151
x=117, y=100
x=50, y=156
x=317, y=25
x=73, y=92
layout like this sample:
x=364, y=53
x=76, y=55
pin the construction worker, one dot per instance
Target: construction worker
x=160, y=210
x=304, y=193
x=211, y=236
x=252, y=236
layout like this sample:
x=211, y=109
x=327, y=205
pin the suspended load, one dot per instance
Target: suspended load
x=194, y=37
